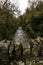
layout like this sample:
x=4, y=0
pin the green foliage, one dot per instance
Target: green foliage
x=8, y=24
x=33, y=21
x=37, y=24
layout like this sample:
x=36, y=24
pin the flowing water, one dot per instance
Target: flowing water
x=22, y=37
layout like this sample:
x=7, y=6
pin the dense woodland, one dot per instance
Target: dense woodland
x=8, y=21
x=31, y=21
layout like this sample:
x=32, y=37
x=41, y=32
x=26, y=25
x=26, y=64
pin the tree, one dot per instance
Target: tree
x=33, y=19
x=8, y=20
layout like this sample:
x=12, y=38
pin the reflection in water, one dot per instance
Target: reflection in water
x=22, y=37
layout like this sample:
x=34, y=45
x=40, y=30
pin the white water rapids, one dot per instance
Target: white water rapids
x=22, y=37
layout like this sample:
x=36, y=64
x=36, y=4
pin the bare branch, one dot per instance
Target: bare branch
x=5, y=2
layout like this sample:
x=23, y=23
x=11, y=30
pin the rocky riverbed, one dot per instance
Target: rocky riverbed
x=32, y=50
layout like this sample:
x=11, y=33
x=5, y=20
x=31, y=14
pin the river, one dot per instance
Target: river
x=22, y=37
